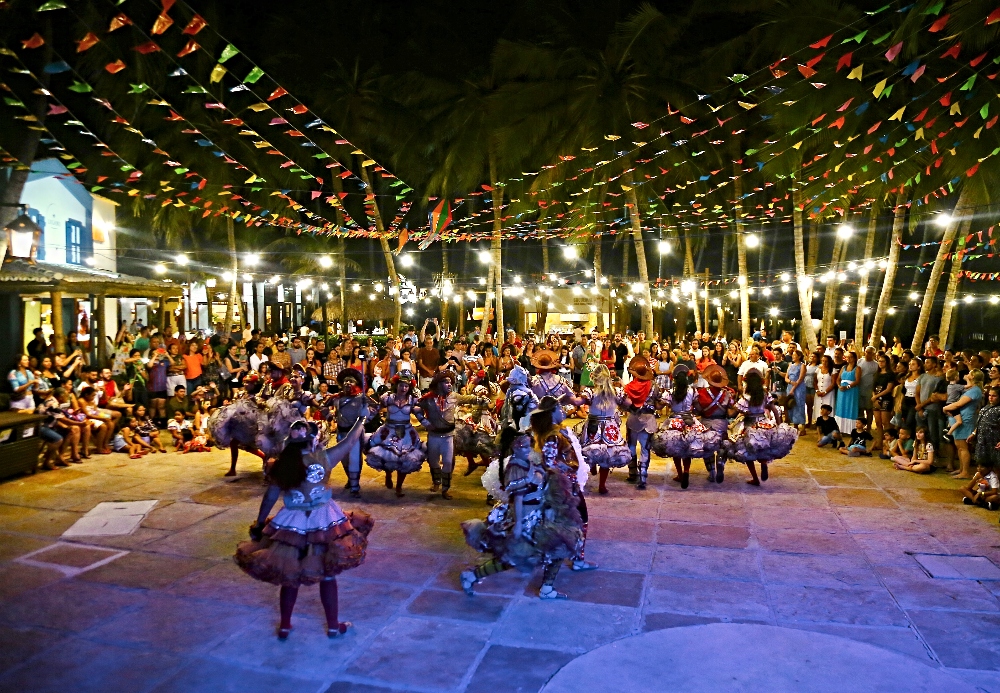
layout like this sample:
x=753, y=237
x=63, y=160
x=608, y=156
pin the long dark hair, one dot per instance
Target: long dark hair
x=753, y=386
x=680, y=387
x=289, y=470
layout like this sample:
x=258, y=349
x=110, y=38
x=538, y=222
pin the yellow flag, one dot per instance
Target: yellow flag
x=251, y=179
x=856, y=73
x=880, y=87
x=898, y=115
x=217, y=72
x=919, y=134
x=955, y=109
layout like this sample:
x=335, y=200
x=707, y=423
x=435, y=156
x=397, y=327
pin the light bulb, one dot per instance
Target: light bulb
x=752, y=241
x=845, y=231
x=969, y=299
x=784, y=276
x=406, y=260
x=664, y=247
x=251, y=259
x=485, y=257
x=160, y=268
x=325, y=261
x=182, y=260
x=942, y=219
x=570, y=252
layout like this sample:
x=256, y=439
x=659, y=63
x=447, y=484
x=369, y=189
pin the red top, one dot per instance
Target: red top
x=192, y=366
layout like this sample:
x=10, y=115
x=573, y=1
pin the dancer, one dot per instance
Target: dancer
x=713, y=404
x=436, y=412
x=310, y=539
x=237, y=424
x=476, y=426
x=682, y=436
x=547, y=381
x=346, y=407
x=395, y=446
x=761, y=439
x=518, y=403
x=536, y=522
x=643, y=396
x=601, y=437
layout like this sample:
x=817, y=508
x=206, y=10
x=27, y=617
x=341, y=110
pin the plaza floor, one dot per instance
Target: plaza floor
x=826, y=557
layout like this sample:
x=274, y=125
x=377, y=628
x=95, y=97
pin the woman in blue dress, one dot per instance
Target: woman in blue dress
x=967, y=407
x=846, y=409
x=796, y=379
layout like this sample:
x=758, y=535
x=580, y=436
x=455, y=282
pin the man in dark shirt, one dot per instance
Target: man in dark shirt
x=252, y=344
x=428, y=359
x=37, y=348
x=180, y=402
x=621, y=353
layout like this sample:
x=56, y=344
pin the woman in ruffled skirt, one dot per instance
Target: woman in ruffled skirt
x=395, y=446
x=602, y=438
x=682, y=436
x=310, y=540
x=237, y=424
x=476, y=426
x=762, y=439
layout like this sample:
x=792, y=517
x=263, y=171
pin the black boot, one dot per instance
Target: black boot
x=633, y=476
x=445, y=485
x=435, y=480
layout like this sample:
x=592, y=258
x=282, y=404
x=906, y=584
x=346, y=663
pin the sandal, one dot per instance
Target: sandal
x=341, y=629
x=551, y=593
x=468, y=580
x=134, y=456
x=283, y=633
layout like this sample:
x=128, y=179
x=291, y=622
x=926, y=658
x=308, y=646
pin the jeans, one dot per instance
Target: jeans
x=441, y=452
x=640, y=438
x=933, y=420
x=827, y=440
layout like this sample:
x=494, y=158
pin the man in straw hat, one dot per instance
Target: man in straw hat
x=436, y=412
x=713, y=404
x=346, y=408
x=547, y=381
x=642, y=395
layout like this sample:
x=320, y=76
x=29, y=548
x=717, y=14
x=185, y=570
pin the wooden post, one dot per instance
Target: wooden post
x=707, y=321
x=102, y=331
x=163, y=315
x=208, y=299
x=58, y=336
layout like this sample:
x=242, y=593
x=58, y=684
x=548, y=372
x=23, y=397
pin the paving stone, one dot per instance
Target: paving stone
x=208, y=675
x=565, y=625
x=595, y=586
x=515, y=669
x=19, y=644
x=876, y=520
x=14, y=545
x=721, y=536
x=701, y=562
x=179, y=515
x=69, y=605
x=849, y=479
x=620, y=555
x=509, y=582
x=42, y=523
x=662, y=620
x=817, y=571
x=859, y=605
x=914, y=589
x=705, y=514
x=859, y=497
x=817, y=519
x=16, y=579
x=420, y=652
x=72, y=556
x=897, y=549
x=83, y=666
x=441, y=604
x=352, y=687
x=174, y=624
x=614, y=529
x=231, y=492
x=961, y=639
x=793, y=541
x=706, y=597
x=145, y=570
x=399, y=566
x=903, y=640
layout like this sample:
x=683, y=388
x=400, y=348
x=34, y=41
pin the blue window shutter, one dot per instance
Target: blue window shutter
x=39, y=220
x=74, y=242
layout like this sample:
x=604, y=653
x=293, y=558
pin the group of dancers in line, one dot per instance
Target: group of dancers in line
x=537, y=467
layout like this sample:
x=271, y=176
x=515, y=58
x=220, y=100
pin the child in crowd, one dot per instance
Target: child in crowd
x=902, y=446
x=983, y=489
x=923, y=455
x=888, y=440
x=858, y=444
x=192, y=442
x=146, y=429
x=129, y=441
x=177, y=426
x=829, y=432
x=955, y=391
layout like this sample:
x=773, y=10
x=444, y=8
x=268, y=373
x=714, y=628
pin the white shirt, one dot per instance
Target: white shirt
x=759, y=366
x=255, y=361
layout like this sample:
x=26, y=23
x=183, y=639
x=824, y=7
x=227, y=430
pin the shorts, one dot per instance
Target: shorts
x=576, y=378
x=158, y=394
x=119, y=444
x=49, y=435
x=883, y=404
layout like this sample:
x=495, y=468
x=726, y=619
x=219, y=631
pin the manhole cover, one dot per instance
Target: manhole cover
x=70, y=559
x=110, y=519
x=958, y=567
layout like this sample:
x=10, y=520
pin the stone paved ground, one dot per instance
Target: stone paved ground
x=825, y=545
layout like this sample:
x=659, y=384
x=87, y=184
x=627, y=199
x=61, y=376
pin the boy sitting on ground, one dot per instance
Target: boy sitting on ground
x=177, y=426
x=129, y=441
x=859, y=441
x=888, y=440
x=983, y=489
x=829, y=432
x=902, y=446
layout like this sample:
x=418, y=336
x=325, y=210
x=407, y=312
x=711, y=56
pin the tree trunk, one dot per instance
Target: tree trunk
x=885, y=297
x=963, y=210
x=830, y=294
x=646, y=300
x=692, y=277
x=813, y=256
x=444, y=299
x=741, y=257
x=945, y=329
x=390, y=262
x=231, y=303
x=859, y=316
x=597, y=281
x=623, y=315
x=495, y=283
x=542, y=314
x=485, y=325
x=803, y=282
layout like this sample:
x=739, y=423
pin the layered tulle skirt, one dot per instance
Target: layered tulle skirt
x=551, y=531
x=239, y=421
x=473, y=440
x=603, y=443
x=396, y=449
x=302, y=547
x=761, y=441
x=679, y=438
x=278, y=419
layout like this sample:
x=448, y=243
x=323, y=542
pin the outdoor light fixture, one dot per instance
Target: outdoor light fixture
x=182, y=260
x=275, y=279
x=226, y=276
x=379, y=287
x=734, y=294
x=210, y=283
x=570, y=252
x=664, y=247
x=784, y=288
x=248, y=277
x=406, y=261
x=969, y=299
x=784, y=276
x=766, y=291
x=355, y=288
x=23, y=236
x=994, y=299
x=471, y=294
x=891, y=311
x=577, y=291
x=325, y=261
x=485, y=257
x=845, y=231
x=251, y=259
x=914, y=295
x=773, y=312
x=752, y=241
x=482, y=281
x=325, y=286
x=636, y=288
x=942, y=219
x=517, y=279
x=160, y=268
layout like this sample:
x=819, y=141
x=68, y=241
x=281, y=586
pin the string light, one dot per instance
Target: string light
x=664, y=247
x=182, y=260
x=752, y=241
x=160, y=268
x=251, y=259
x=325, y=261
x=942, y=219
x=570, y=252
x=485, y=257
x=406, y=260
x=845, y=231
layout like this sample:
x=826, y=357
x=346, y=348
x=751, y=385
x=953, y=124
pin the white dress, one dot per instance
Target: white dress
x=824, y=382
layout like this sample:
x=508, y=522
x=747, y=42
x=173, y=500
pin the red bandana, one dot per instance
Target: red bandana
x=637, y=391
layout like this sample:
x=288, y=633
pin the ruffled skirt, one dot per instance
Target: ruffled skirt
x=303, y=548
x=552, y=531
x=279, y=417
x=761, y=442
x=603, y=443
x=472, y=440
x=396, y=449
x=675, y=438
x=239, y=421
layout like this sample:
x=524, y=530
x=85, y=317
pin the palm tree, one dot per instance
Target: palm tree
x=859, y=317
x=895, y=243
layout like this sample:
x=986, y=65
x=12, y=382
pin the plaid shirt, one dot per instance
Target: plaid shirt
x=330, y=370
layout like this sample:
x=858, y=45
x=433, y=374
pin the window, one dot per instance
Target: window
x=79, y=242
x=39, y=220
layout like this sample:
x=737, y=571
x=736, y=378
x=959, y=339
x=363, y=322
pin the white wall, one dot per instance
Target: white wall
x=50, y=197
x=105, y=236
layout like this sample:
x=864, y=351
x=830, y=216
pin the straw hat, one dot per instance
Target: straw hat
x=640, y=369
x=715, y=375
x=545, y=360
